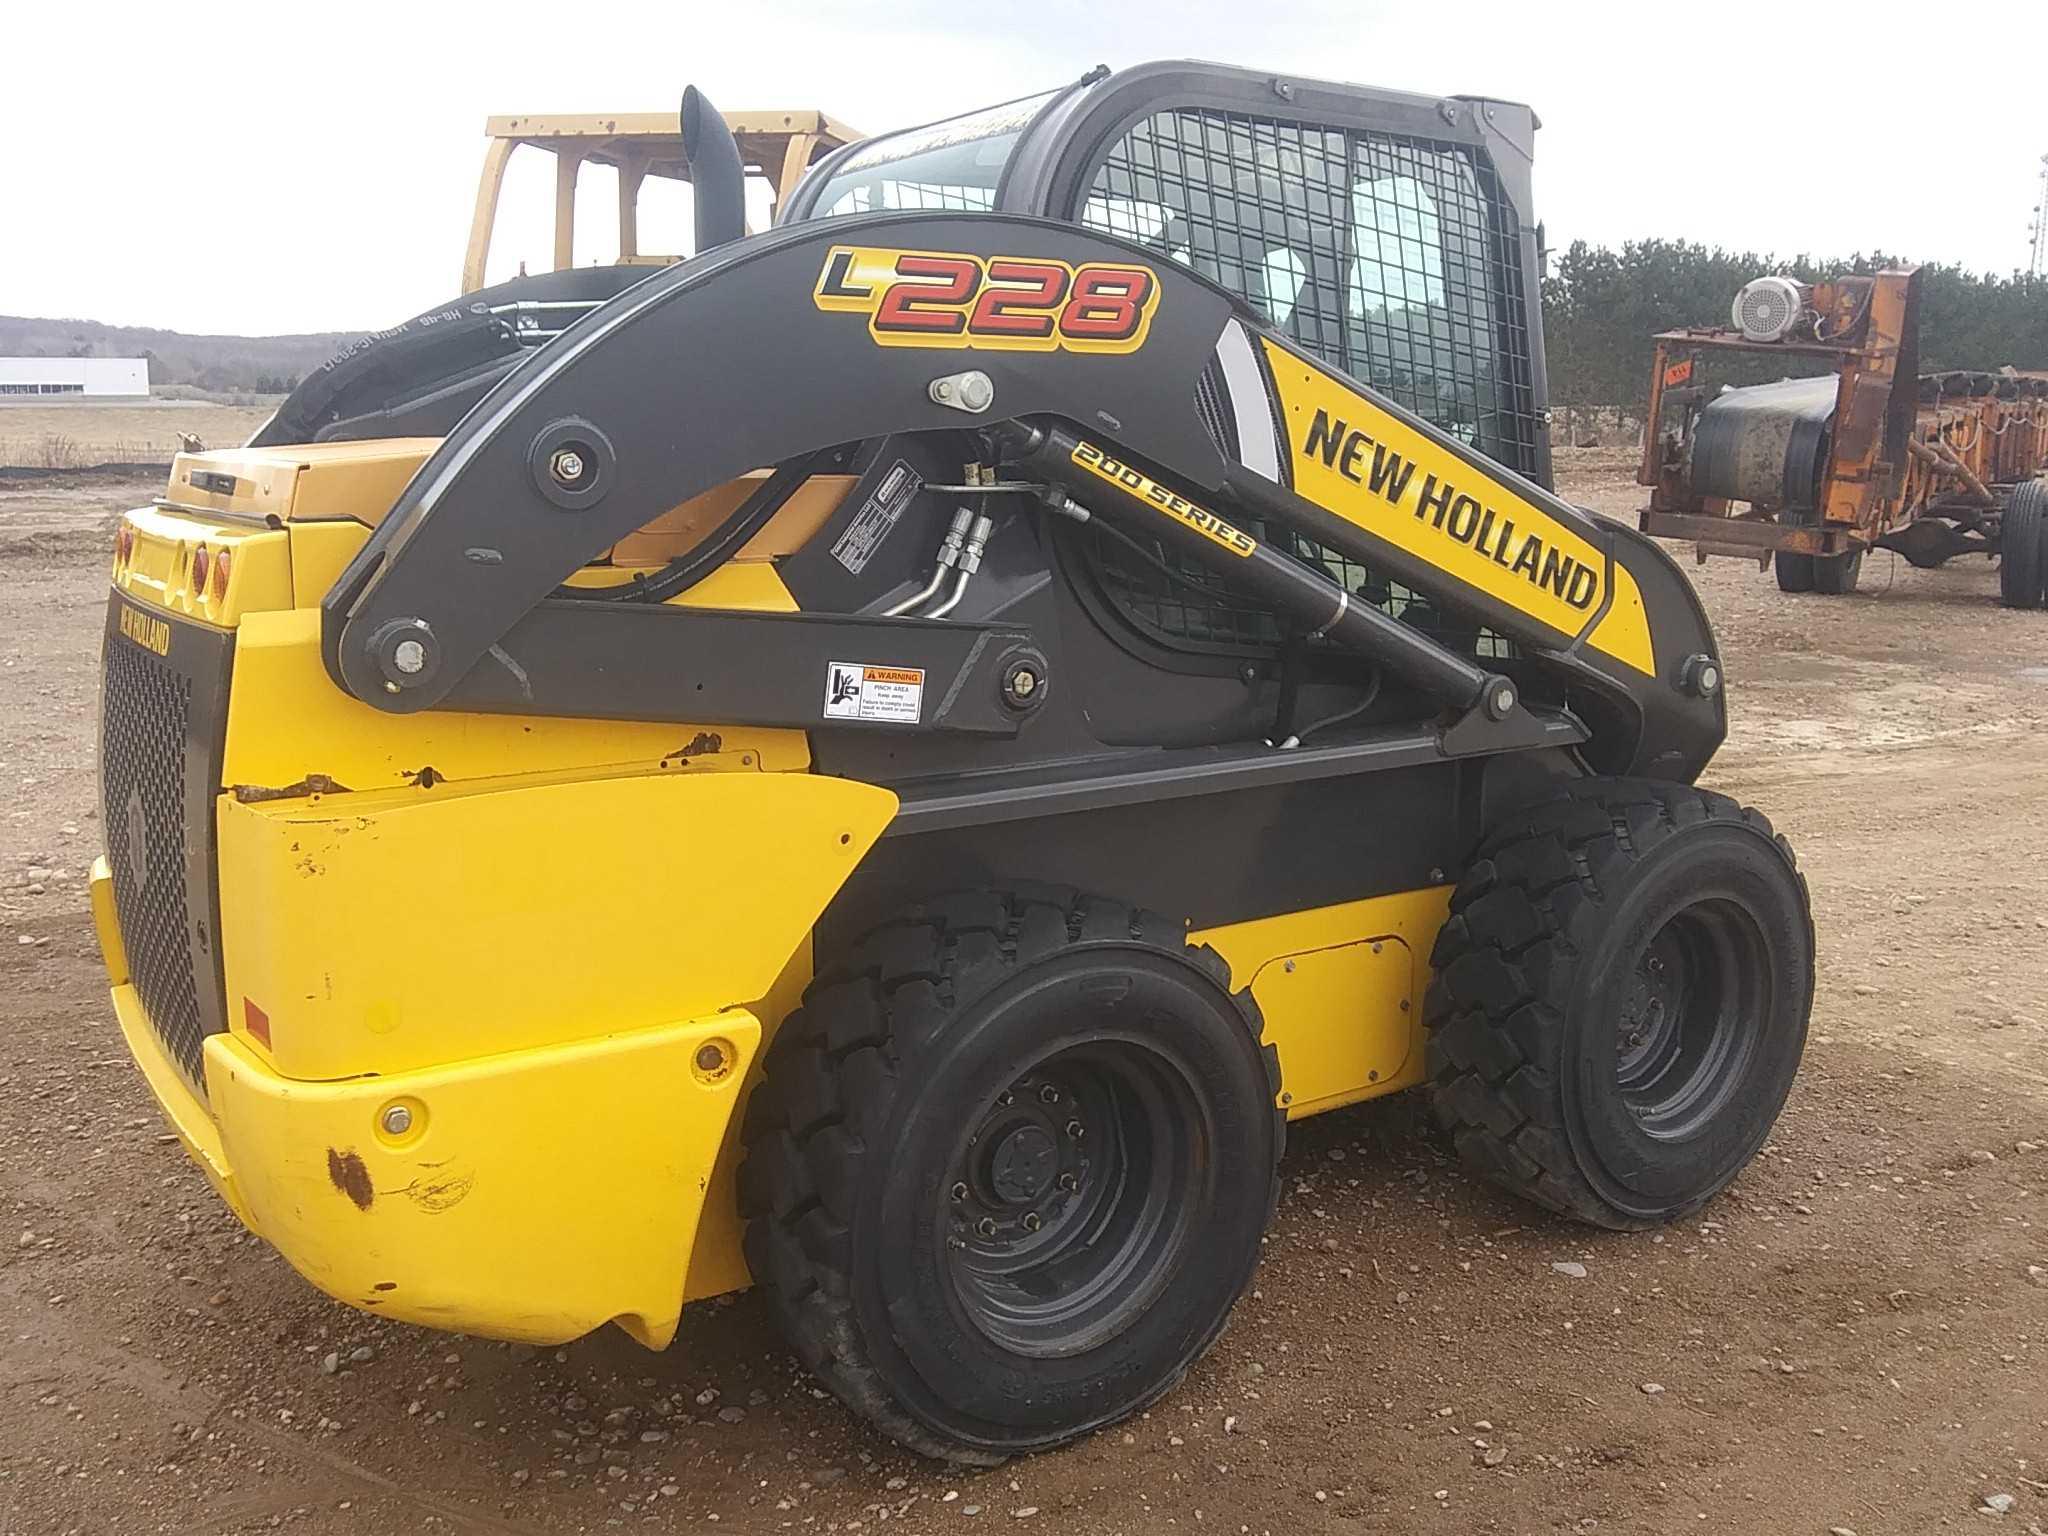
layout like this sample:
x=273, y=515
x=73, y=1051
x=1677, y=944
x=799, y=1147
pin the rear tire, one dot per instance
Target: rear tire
x=1620, y=1000
x=2022, y=532
x=1010, y=1168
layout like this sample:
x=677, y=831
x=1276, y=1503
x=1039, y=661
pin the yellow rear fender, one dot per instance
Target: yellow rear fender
x=400, y=929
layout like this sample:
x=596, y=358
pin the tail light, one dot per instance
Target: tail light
x=124, y=545
x=201, y=561
x=220, y=575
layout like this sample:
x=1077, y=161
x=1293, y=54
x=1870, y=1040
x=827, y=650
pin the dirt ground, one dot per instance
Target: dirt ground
x=77, y=434
x=1855, y=1338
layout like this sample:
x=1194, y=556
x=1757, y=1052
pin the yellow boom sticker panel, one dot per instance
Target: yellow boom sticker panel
x=1129, y=480
x=1366, y=466
x=1001, y=304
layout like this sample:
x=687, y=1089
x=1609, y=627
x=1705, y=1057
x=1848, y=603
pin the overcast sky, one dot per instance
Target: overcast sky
x=280, y=167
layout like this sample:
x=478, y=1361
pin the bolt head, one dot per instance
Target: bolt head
x=566, y=466
x=396, y=1119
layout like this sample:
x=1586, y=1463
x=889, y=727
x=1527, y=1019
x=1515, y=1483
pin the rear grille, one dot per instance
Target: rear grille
x=159, y=765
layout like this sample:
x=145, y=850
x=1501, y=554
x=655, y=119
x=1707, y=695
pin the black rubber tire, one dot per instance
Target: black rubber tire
x=2022, y=568
x=1836, y=575
x=851, y=1184
x=1546, y=954
x=1795, y=572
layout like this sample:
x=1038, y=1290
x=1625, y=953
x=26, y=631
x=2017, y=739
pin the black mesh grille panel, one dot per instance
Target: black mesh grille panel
x=145, y=713
x=1393, y=258
x=160, y=741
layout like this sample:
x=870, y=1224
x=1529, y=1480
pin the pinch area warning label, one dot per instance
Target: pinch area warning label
x=857, y=690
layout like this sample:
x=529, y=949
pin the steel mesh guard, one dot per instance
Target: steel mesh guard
x=145, y=714
x=1395, y=259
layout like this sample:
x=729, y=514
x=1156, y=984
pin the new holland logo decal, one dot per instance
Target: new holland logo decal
x=996, y=303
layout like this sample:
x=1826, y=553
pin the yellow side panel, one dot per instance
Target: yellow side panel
x=532, y=1195
x=717, y=1264
x=386, y=931
x=1345, y=451
x=1341, y=990
x=287, y=722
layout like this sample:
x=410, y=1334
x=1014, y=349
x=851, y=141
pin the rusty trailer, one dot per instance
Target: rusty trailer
x=1855, y=450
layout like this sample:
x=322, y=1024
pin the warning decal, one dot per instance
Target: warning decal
x=856, y=690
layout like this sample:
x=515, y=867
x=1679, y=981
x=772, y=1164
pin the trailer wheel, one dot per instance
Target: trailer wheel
x=1010, y=1167
x=1795, y=571
x=1620, y=1000
x=1836, y=575
x=2022, y=532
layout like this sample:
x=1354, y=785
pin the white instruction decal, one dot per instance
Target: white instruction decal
x=856, y=690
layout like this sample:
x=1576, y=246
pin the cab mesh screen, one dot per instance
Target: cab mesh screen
x=1395, y=259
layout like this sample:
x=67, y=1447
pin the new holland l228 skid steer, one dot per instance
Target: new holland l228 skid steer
x=889, y=759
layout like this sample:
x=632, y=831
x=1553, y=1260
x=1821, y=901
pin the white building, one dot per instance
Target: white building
x=45, y=377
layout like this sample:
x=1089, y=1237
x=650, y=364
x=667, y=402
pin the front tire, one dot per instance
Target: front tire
x=1009, y=1169
x=1621, y=999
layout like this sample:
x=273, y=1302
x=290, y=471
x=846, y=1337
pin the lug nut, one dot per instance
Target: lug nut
x=986, y=1226
x=960, y=1191
x=1069, y=1183
x=1048, y=1094
x=1076, y=1130
x=1031, y=1221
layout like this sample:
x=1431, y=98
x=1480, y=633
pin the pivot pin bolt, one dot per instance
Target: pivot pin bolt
x=409, y=656
x=566, y=466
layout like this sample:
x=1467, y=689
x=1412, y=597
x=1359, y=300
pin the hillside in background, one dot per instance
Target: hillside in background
x=230, y=364
x=1601, y=305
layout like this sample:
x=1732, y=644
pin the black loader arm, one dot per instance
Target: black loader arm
x=1038, y=336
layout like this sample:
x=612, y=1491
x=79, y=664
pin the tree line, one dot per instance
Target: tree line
x=1601, y=307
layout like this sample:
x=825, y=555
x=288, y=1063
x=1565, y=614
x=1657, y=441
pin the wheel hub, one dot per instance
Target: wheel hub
x=1023, y=1165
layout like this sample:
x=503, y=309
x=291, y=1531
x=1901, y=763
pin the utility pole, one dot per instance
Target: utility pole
x=2038, y=230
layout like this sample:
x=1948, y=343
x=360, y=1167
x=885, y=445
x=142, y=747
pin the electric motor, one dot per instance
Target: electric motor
x=1768, y=307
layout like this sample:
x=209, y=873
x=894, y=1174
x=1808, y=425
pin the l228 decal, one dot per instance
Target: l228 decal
x=994, y=303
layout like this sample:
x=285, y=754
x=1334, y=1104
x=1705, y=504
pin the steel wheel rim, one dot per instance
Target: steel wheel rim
x=1691, y=1008
x=1069, y=1202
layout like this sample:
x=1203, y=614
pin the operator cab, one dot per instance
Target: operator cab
x=1389, y=235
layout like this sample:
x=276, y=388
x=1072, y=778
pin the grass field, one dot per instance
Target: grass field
x=80, y=434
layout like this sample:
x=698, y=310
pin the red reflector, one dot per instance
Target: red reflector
x=124, y=544
x=199, y=564
x=220, y=575
x=258, y=1022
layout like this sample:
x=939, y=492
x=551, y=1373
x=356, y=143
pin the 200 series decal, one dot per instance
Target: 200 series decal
x=1211, y=527
x=995, y=303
